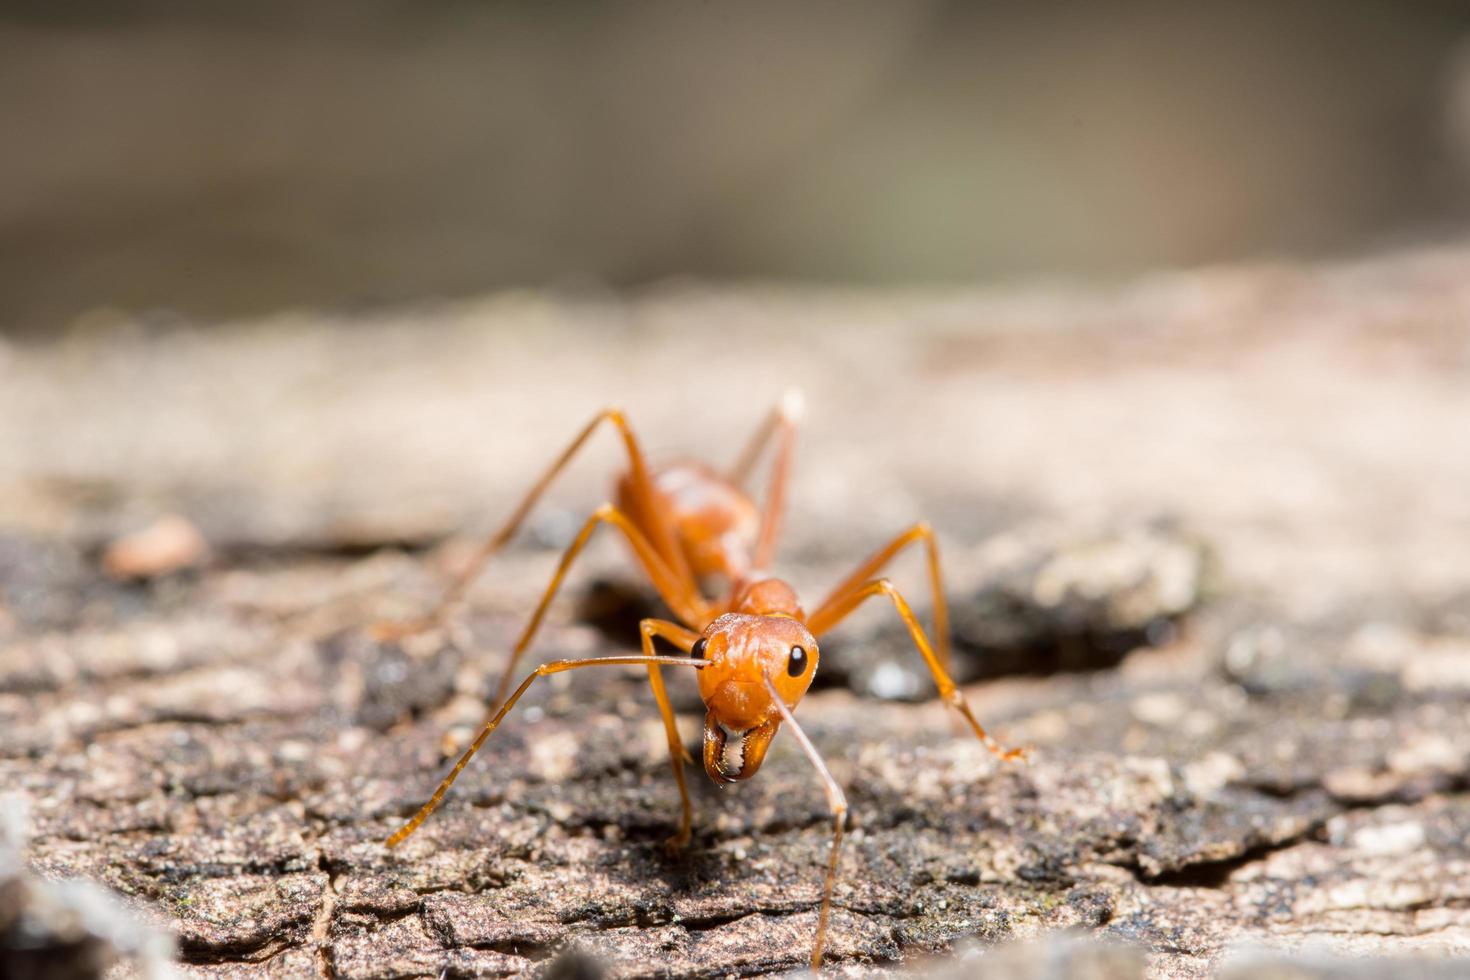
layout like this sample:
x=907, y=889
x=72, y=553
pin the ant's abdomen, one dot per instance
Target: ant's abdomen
x=714, y=522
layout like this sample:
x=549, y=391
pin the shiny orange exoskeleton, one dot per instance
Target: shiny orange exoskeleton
x=755, y=648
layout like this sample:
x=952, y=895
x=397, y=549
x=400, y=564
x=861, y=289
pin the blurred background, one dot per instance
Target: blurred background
x=225, y=159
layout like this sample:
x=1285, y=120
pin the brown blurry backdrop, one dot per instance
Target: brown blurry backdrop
x=222, y=159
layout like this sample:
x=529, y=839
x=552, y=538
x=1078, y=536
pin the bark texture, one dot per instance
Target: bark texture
x=1209, y=553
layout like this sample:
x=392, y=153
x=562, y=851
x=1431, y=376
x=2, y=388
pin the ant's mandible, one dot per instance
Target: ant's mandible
x=755, y=648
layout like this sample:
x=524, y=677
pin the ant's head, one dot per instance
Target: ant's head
x=741, y=650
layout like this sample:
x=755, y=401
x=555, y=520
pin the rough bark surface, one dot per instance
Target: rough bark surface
x=1209, y=551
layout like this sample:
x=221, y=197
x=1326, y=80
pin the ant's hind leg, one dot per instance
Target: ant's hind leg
x=787, y=413
x=659, y=530
x=683, y=639
x=836, y=802
x=838, y=609
x=784, y=419
x=680, y=595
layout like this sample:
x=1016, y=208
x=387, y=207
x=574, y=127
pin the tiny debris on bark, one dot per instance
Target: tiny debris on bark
x=170, y=544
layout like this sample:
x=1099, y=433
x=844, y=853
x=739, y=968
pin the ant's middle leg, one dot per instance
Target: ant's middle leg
x=839, y=608
x=875, y=563
x=678, y=593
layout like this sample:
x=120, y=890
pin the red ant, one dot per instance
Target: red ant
x=755, y=649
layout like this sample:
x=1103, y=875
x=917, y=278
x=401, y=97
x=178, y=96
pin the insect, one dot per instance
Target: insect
x=754, y=647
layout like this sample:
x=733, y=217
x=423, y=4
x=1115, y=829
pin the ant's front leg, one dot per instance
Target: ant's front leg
x=555, y=667
x=683, y=639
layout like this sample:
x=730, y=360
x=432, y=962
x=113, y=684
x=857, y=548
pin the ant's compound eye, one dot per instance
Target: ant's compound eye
x=697, y=651
x=796, y=666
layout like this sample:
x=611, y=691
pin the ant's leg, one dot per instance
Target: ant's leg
x=788, y=412
x=836, y=802
x=680, y=596
x=837, y=610
x=784, y=419
x=919, y=532
x=788, y=417
x=555, y=667
x=683, y=639
x=659, y=530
